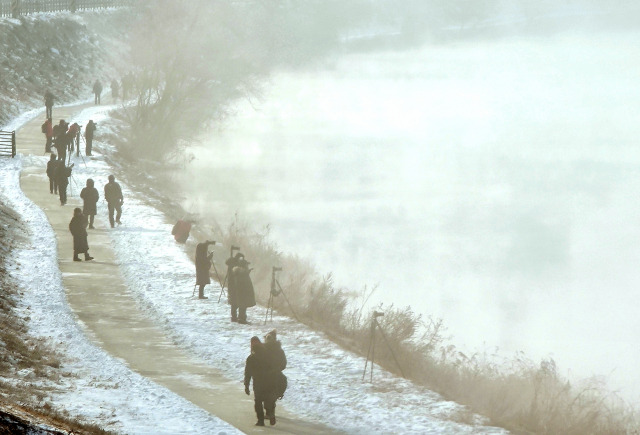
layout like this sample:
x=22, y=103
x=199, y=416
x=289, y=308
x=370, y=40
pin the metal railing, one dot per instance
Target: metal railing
x=15, y=8
x=7, y=143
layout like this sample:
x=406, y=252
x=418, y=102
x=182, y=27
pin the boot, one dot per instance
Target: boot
x=272, y=420
x=75, y=258
x=87, y=257
x=260, y=423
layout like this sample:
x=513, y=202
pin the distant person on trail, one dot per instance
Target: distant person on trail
x=258, y=368
x=88, y=135
x=203, y=265
x=278, y=362
x=231, y=285
x=115, y=90
x=51, y=173
x=97, y=90
x=78, y=228
x=181, y=231
x=74, y=137
x=243, y=294
x=48, y=104
x=90, y=196
x=113, y=195
x=62, y=174
x=47, y=129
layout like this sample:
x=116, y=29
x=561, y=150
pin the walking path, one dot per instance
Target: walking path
x=98, y=295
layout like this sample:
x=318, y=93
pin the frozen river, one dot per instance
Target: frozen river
x=494, y=184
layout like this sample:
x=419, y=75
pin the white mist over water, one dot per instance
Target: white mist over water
x=493, y=184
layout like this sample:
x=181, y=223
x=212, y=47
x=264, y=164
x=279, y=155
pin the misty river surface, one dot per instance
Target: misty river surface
x=493, y=184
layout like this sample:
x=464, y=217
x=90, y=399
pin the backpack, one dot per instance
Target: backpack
x=281, y=386
x=44, y=127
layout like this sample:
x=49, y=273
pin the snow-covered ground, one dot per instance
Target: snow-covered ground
x=325, y=382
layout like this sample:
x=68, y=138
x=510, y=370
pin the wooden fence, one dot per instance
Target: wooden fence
x=7, y=143
x=15, y=8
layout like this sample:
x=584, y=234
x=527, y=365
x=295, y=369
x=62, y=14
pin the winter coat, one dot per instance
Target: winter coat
x=89, y=129
x=90, y=196
x=276, y=355
x=181, y=231
x=62, y=174
x=78, y=228
x=203, y=264
x=48, y=99
x=97, y=87
x=51, y=168
x=259, y=368
x=231, y=263
x=112, y=192
x=243, y=294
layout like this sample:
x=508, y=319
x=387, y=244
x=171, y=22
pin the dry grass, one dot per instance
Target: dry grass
x=20, y=398
x=514, y=393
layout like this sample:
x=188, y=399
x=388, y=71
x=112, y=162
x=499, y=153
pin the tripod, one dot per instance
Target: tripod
x=233, y=248
x=372, y=345
x=276, y=289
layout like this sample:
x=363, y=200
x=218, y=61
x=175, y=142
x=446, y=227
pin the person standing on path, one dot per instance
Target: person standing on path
x=113, y=195
x=278, y=361
x=231, y=285
x=88, y=135
x=47, y=129
x=90, y=197
x=244, y=295
x=48, y=104
x=52, y=165
x=78, y=228
x=62, y=174
x=203, y=265
x=258, y=368
x=97, y=90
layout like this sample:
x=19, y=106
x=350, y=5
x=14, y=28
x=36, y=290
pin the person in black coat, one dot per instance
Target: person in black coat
x=244, y=295
x=278, y=361
x=51, y=173
x=259, y=368
x=48, y=103
x=62, y=174
x=90, y=196
x=231, y=288
x=97, y=90
x=203, y=265
x=114, y=198
x=88, y=136
x=78, y=228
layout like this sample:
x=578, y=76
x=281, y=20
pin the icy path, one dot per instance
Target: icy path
x=325, y=382
x=99, y=388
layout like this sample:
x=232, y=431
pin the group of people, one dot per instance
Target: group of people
x=125, y=86
x=267, y=360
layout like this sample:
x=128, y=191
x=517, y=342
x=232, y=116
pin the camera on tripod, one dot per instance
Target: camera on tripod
x=274, y=289
x=377, y=314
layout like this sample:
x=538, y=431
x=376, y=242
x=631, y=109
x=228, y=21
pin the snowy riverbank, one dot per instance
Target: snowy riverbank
x=325, y=381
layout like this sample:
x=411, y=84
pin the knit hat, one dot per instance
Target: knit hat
x=270, y=337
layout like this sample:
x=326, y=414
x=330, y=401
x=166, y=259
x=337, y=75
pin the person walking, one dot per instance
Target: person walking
x=47, y=129
x=278, y=361
x=113, y=195
x=244, y=295
x=203, y=265
x=88, y=135
x=90, y=198
x=48, y=103
x=258, y=368
x=78, y=228
x=97, y=90
x=62, y=175
x=51, y=173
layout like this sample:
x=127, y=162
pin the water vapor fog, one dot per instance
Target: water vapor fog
x=490, y=181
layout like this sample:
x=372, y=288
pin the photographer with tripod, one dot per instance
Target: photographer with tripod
x=241, y=293
x=203, y=265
